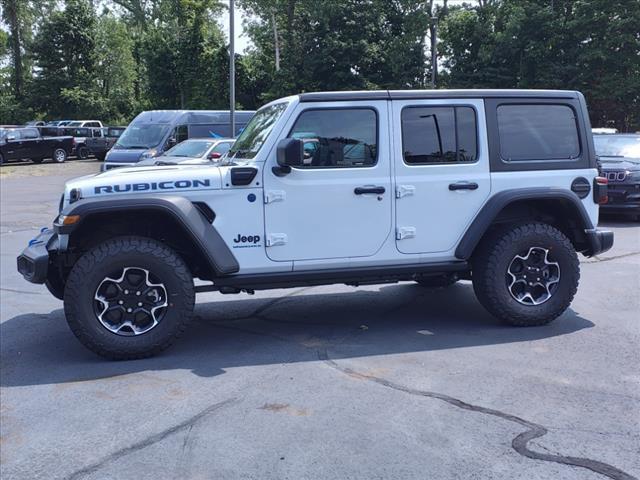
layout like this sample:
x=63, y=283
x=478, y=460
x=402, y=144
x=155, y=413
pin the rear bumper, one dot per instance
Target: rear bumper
x=599, y=241
x=33, y=262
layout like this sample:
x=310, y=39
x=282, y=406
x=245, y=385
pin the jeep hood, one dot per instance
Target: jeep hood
x=620, y=163
x=153, y=179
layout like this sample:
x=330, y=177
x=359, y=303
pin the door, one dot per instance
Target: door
x=33, y=146
x=338, y=203
x=14, y=146
x=442, y=171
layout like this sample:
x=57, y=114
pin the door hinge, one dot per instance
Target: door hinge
x=405, y=232
x=405, y=190
x=274, y=196
x=274, y=239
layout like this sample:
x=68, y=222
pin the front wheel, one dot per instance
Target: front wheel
x=526, y=275
x=128, y=298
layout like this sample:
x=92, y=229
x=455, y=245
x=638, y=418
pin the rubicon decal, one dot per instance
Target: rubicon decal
x=143, y=186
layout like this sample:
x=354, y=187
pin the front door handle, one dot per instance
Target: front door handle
x=463, y=186
x=369, y=189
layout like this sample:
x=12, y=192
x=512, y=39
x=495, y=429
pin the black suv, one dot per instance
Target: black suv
x=620, y=163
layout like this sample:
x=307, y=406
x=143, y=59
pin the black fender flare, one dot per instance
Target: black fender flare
x=202, y=234
x=500, y=200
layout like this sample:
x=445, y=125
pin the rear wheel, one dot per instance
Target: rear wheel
x=128, y=298
x=59, y=155
x=526, y=275
x=1, y=159
x=83, y=152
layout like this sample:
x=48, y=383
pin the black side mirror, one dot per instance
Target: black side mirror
x=290, y=153
x=171, y=142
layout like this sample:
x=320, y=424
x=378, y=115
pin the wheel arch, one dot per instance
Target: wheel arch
x=173, y=220
x=559, y=207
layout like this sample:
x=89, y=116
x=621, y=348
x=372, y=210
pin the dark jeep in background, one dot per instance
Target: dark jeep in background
x=99, y=146
x=619, y=156
x=27, y=142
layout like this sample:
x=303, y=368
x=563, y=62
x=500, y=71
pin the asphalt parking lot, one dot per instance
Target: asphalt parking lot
x=390, y=381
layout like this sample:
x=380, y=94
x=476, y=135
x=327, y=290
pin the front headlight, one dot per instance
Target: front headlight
x=633, y=175
x=149, y=154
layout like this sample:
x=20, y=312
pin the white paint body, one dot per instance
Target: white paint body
x=310, y=219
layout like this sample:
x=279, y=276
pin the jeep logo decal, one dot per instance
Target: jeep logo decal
x=141, y=187
x=247, y=239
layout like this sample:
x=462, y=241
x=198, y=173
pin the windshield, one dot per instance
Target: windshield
x=256, y=132
x=617, y=146
x=189, y=148
x=142, y=135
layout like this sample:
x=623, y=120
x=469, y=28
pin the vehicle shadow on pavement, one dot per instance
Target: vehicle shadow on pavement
x=403, y=318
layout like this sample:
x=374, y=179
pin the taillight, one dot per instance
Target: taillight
x=600, y=190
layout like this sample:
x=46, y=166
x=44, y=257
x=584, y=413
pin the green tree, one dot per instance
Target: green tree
x=64, y=54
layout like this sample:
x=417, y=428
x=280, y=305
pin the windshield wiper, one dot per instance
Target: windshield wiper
x=133, y=146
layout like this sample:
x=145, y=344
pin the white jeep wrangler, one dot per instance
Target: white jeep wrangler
x=496, y=186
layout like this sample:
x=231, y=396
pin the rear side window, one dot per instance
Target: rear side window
x=30, y=133
x=537, y=132
x=335, y=138
x=432, y=135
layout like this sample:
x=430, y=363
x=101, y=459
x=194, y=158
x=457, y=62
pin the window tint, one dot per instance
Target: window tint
x=537, y=132
x=181, y=133
x=29, y=133
x=439, y=135
x=222, y=147
x=338, y=138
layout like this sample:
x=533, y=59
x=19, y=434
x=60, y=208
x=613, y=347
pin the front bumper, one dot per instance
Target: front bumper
x=599, y=241
x=33, y=262
x=623, y=198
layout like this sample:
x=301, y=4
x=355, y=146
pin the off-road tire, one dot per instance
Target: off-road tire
x=101, y=261
x=59, y=155
x=491, y=261
x=438, y=281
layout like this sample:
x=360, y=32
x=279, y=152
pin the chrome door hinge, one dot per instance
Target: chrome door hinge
x=274, y=196
x=405, y=232
x=274, y=239
x=405, y=190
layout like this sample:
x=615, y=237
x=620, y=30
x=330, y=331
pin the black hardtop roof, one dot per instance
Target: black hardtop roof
x=432, y=94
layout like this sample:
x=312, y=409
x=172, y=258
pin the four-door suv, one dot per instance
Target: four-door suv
x=620, y=163
x=496, y=186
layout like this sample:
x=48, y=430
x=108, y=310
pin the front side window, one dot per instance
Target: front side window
x=433, y=135
x=537, y=132
x=222, y=147
x=257, y=131
x=336, y=138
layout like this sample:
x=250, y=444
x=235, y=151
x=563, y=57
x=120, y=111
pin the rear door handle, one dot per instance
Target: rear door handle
x=463, y=186
x=369, y=189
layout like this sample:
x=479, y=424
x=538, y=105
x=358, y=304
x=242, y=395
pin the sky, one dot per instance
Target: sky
x=242, y=40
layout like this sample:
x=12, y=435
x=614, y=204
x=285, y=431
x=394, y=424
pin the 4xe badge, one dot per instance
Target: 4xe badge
x=246, y=241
